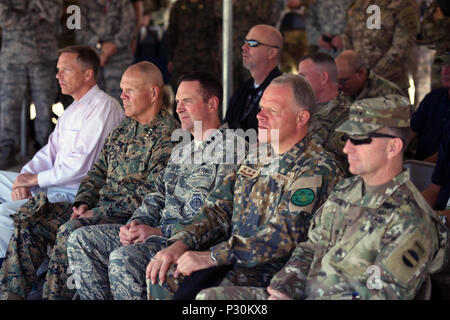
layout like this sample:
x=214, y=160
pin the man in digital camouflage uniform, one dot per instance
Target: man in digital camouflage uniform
x=332, y=106
x=109, y=27
x=28, y=59
x=384, y=46
x=358, y=82
x=122, y=252
x=133, y=156
x=375, y=237
x=253, y=221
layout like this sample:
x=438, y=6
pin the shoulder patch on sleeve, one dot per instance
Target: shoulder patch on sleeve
x=408, y=257
x=304, y=193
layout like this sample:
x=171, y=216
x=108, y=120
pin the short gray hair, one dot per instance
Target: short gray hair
x=304, y=96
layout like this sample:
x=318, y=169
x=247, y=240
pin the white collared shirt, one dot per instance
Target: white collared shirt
x=77, y=140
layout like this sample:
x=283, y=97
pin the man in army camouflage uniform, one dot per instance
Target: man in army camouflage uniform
x=192, y=41
x=332, y=107
x=28, y=54
x=326, y=18
x=109, y=27
x=384, y=50
x=123, y=252
x=253, y=221
x=133, y=156
x=358, y=82
x=434, y=31
x=375, y=237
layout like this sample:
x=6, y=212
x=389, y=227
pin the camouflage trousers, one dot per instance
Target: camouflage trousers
x=35, y=227
x=237, y=276
x=108, y=270
x=233, y=293
x=56, y=286
x=40, y=78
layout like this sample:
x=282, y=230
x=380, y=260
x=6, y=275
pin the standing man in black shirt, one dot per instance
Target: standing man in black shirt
x=261, y=56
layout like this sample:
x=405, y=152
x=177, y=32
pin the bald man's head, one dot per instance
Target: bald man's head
x=351, y=72
x=270, y=34
x=149, y=73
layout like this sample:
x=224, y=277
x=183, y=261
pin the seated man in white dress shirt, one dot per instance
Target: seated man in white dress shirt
x=72, y=148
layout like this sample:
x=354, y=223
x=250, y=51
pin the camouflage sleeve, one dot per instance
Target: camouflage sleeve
x=149, y=212
x=212, y=224
x=432, y=31
x=291, y=280
x=17, y=19
x=333, y=17
x=51, y=10
x=122, y=39
x=127, y=204
x=406, y=29
x=88, y=191
x=86, y=35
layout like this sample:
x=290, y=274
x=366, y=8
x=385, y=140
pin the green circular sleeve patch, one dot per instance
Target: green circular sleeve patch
x=303, y=197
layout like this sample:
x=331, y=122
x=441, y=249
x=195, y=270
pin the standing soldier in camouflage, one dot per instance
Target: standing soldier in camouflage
x=375, y=237
x=253, y=221
x=357, y=82
x=247, y=14
x=122, y=252
x=325, y=21
x=434, y=31
x=384, y=50
x=28, y=58
x=133, y=156
x=109, y=27
x=192, y=38
x=332, y=107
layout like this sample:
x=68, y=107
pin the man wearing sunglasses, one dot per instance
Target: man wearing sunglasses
x=358, y=82
x=261, y=56
x=375, y=237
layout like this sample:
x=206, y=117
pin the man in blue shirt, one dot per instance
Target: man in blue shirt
x=433, y=115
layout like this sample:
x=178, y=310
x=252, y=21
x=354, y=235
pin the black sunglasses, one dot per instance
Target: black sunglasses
x=367, y=138
x=255, y=43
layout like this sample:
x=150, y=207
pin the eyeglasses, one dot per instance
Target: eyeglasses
x=254, y=43
x=367, y=138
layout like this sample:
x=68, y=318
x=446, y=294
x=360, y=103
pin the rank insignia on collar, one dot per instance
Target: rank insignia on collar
x=248, y=172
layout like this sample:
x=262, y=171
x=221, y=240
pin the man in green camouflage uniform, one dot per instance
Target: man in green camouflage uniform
x=375, y=237
x=109, y=27
x=332, y=107
x=123, y=252
x=254, y=220
x=192, y=41
x=358, y=82
x=384, y=50
x=326, y=18
x=27, y=59
x=434, y=31
x=133, y=156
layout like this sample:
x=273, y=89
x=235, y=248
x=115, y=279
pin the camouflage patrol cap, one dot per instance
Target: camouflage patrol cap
x=445, y=57
x=369, y=115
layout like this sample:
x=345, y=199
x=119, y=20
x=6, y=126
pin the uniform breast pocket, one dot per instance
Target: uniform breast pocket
x=354, y=255
x=202, y=178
